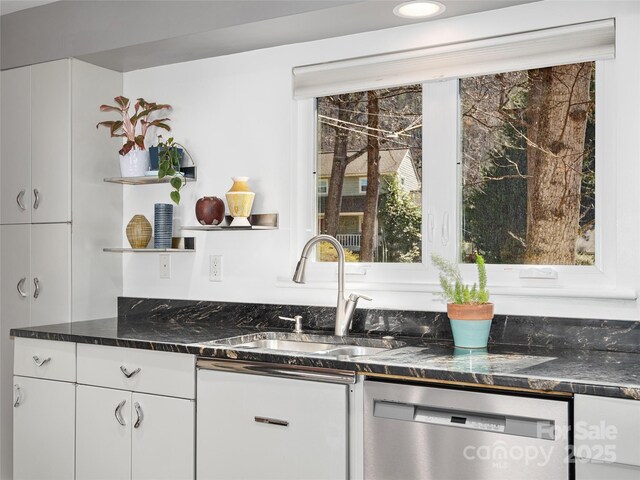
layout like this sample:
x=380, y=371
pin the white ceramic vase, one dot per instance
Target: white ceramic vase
x=135, y=163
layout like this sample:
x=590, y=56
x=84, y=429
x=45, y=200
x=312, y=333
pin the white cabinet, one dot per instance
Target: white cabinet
x=36, y=274
x=43, y=434
x=606, y=438
x=43, y=411
x=258, y=427
x=15, y=148
x=36, y=144
x=124, y=433
x=55, y=219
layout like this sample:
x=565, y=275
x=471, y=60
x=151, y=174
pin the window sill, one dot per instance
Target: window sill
x=434, y=288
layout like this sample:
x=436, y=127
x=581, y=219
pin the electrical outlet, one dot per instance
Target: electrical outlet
x=165, y=265
x=215, y=268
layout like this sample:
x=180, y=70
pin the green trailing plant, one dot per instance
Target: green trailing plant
x=134, y=127
x=454, y=290
x=169, y=158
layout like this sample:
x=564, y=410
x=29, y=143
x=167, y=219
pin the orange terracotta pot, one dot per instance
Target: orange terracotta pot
x=482, y=311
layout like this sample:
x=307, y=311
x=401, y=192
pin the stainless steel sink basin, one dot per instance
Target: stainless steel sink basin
x=289, y=345
x=322, y=345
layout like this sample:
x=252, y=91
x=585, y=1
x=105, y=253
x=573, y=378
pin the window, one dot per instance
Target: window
x=323, y=186
x=528, y=166
x=476, y=150
x=371, y=136
x=362, y=183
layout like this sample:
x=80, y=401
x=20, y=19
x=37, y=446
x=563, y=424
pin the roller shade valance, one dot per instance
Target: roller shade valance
x=534, y=49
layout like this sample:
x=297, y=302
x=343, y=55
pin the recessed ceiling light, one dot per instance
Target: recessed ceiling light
x=418, y=9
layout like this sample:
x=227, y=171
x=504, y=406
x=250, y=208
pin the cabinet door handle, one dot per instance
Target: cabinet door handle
x=19, y=286
x=36, y=202
x=19, y=200
x=39, y=362
x=36, y=292
x=18, y=400
x=127, y=373
x=272, y=421
x=118, y=413
x=139, y=414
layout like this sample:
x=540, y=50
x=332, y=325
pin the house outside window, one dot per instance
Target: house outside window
x=359, y=139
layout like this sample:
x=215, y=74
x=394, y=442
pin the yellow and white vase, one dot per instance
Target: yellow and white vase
x=240, y=201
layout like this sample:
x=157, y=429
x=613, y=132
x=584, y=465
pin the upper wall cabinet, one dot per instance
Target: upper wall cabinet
x=35, y=177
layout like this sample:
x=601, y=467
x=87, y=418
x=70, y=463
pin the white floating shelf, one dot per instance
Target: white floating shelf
x=259, y=221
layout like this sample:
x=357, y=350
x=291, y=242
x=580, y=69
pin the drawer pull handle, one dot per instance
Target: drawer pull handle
x=118, y=413
x=38, y=362
x=22, y=293
x=36, y=203
x=127, y=373
x=36, y=292
x=16, y=404
x=139, y=414
x=19, y=200
x=272, y=421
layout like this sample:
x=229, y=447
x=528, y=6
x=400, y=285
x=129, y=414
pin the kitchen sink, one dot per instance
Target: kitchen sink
x=323, y=345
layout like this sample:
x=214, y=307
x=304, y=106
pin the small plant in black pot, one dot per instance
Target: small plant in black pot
x=170, y=154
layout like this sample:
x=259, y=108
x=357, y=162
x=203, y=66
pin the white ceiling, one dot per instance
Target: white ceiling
x=10, y=6
x=104, y=33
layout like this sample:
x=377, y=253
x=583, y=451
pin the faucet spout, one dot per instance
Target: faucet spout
x=344, y=308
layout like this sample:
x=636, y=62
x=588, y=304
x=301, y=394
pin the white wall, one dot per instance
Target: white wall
x=237, y=116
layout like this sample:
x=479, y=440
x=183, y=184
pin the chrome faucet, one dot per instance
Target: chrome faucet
x=345, y=307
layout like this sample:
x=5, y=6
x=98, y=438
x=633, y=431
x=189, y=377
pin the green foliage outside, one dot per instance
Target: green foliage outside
x=454, y=290
x=327, y=253
x=400, y=223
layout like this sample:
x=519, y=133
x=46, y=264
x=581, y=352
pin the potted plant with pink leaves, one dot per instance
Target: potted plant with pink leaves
x=134, y=155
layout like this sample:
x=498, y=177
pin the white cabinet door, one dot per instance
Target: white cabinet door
x=254, y=427
x=103, y=434
x=15, y=148
x=43, y=435
x=607, y=429
x=36, y=274
x=51, y=271
x=14, y=313
x=51, y=142
x=163, y=443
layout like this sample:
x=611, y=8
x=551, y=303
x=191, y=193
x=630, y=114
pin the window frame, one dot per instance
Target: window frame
x=608, y=278
x=323, y=182
x=362, y=182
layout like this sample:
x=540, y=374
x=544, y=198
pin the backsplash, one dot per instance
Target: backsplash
x=607, y=335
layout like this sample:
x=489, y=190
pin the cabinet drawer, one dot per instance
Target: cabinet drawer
x=48, y=359
x=607, y=429
x=146, y=371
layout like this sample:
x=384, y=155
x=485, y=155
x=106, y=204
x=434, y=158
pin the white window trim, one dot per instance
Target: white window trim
x=362, y=182
x=617, y=208
x=323, y=182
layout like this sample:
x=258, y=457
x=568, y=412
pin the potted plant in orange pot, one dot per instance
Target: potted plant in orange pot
x=134, y=156
x=468, y=307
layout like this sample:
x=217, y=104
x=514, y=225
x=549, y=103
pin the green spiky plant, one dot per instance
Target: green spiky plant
x=454, y=290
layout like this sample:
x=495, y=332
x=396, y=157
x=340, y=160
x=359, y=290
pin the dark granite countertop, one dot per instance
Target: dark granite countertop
x=549, y=369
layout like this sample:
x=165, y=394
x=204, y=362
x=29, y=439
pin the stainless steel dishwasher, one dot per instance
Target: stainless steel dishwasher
x=431, y=433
